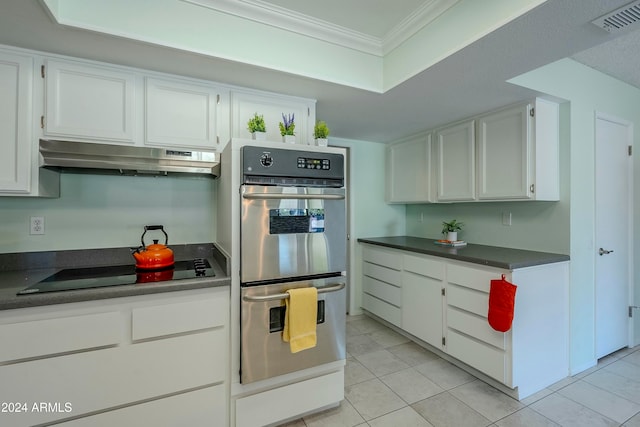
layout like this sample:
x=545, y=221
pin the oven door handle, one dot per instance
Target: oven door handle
x=326, y=289
x=281, y=196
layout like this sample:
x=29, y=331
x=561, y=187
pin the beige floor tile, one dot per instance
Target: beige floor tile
x=296, y=423
x=604, y=402
x=536, y=396
x=344, y=415
x=568, y=413
x=443, y=373
x=633, y=358
x=410, y=385
x=622, y=386
x=381, y=362
x=633, y=422
x=525, y=417
x=412, y=354
x=563, y=383
x=486, y=400
x=625, y=369
x=405, y=417
x=373, y=399
x=361, y=344
x=444, y=410
x=367, y=324
x=388, y=338
x=355, y=372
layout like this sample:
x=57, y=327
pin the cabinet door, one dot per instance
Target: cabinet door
x=180, y=114
x=272, y=107
x=456, y=162
x=16, y=77
x=422, y=301
x=504, y=154
x=409, y=170
x=89, y=103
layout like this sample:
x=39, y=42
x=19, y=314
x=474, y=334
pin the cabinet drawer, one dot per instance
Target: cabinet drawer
x=487, y=359
x=424, y=266
x=382, y=273
x=175, y=318
x=125, y=374
x=382, y=309
x=45, y=337
x=475, y=326
x=382, y=290
x=207, y=406
x=468, y=299
x=390, y=259
x=474, y=278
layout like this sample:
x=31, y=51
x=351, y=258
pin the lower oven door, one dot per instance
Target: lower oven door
x=263, y=352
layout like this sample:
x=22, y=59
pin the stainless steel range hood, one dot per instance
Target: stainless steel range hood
x=125, y=160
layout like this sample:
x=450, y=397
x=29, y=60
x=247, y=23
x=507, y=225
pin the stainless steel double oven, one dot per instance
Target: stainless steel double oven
x=293, y=235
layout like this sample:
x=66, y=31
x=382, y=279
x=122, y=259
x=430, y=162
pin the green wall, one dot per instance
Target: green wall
x=97, y=211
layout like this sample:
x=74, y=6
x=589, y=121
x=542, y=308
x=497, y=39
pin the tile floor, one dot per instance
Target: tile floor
x=392, y=382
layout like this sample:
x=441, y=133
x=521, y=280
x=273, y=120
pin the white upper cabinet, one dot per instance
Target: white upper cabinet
x=504, y=154
x=16, y=84
x=244, y=104
x=518, y=153
x=181, y=114
x=455, y=158
x=89, y=102
x=409, y=171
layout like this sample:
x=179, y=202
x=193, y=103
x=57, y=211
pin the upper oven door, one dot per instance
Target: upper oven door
x=291, y=231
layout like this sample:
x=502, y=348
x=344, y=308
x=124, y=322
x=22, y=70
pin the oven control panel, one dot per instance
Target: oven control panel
x=276, y=166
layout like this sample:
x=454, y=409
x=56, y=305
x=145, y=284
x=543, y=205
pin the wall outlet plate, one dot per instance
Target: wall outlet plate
x=506, y=218
x=36, y=225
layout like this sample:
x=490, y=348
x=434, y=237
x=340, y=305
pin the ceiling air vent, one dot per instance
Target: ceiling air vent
x=626, y=17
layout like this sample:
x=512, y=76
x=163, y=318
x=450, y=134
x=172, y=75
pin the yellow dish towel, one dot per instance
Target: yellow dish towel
x=300, y=319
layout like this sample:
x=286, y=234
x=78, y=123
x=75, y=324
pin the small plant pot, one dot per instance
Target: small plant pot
x=259, y=136
x=289, y=139
x=452, y=236
x=322, y=142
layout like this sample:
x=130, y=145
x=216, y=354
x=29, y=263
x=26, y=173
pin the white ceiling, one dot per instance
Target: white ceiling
x=468, y=82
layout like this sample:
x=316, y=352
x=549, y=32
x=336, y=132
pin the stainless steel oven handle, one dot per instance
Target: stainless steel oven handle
x=281, y=196
x=332, y=288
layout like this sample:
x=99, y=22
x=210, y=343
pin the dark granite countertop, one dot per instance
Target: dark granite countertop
x=20, y=270
x=509, y=259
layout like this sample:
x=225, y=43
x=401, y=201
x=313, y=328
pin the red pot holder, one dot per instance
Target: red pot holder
x=502, y=301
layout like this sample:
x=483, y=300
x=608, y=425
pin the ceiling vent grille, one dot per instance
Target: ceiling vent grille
x=621, y=19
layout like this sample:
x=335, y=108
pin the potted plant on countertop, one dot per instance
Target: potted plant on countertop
x=287, y=127
x=320, y=133
x=450, y=229
x=256, y=126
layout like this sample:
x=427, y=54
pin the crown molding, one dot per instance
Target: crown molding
x=268, y=14
x=414, y=22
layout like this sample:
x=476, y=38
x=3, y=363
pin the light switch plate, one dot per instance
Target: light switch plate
x=506, y=218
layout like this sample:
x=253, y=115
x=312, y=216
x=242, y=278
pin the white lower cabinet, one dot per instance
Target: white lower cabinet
x=445, y=304
x=127, y=361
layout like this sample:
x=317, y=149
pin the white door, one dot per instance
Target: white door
x=613, y=230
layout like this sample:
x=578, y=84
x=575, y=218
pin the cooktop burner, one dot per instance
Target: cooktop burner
x=97, y=277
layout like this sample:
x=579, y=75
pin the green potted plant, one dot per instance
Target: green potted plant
x=256, y=126
x=287, y=127
x=320, y=133
x=450, y=229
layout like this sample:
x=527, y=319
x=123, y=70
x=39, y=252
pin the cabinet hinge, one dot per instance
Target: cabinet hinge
x=443, y=292
x=218, y=99
x=218, y=139
x=444, y=341
x=308, y=112
x=42, y=71
x=532, y=188
x=631, y=307
x=532, y=112
x=41, y=122
x=630, y=150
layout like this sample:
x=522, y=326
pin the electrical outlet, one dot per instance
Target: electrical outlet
x=421, y=217
x=506, y=218
x=36, y=225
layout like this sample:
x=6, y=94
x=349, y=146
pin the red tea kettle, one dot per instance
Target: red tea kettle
x=156, y=256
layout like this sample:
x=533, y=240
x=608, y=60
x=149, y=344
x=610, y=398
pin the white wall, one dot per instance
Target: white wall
x=110, y=211
x=369, y=215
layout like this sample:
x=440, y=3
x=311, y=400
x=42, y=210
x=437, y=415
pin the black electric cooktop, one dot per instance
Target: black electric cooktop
x=98, y=277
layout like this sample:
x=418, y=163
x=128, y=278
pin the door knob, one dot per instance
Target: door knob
x=604, y=252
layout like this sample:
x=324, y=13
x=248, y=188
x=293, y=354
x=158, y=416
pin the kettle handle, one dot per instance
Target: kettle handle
x=154, y=227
